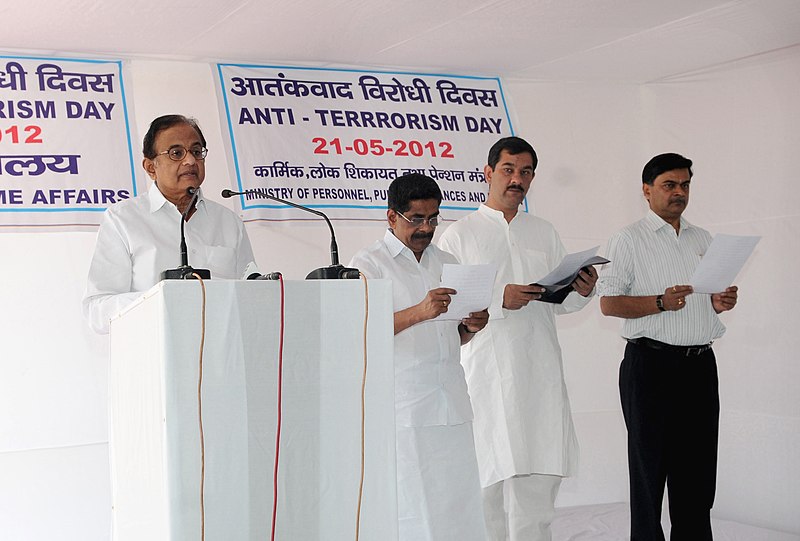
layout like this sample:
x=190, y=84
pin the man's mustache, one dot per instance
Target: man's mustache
x=515, y=187
x=422, y=236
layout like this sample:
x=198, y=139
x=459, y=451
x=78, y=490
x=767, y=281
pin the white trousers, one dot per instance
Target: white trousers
x=438, y=488
x=521, y=508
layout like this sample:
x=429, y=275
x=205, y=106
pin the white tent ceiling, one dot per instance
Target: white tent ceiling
x=613, y=40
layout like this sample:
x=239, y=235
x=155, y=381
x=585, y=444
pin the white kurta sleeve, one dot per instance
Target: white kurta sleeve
x=108, y=288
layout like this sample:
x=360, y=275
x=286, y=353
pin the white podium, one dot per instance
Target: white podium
x=155, y=436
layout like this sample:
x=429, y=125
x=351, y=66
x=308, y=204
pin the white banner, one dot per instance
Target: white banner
x=334, y=139
x=65, y=148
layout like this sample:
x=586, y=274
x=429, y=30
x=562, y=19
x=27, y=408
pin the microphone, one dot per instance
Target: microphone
x=184, y=272
x=335, y=271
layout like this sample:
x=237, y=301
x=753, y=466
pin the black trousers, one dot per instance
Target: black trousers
x=671, y=408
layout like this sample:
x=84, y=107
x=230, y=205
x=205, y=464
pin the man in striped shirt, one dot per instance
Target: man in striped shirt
x=668, y=376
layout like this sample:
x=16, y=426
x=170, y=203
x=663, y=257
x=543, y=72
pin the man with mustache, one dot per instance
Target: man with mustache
x=524, y=436
x=668, y=378
x=438, y=492
x=140, y=237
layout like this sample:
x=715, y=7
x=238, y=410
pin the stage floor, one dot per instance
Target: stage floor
x=610, y=522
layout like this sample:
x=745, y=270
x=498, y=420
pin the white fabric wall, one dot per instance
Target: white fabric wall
x=739, y=125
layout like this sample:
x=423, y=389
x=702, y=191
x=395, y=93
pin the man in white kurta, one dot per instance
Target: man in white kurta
x=438, y=489
x=524, y=436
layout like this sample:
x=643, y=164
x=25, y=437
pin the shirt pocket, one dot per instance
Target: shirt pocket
x=222, y=262
x=534, y=264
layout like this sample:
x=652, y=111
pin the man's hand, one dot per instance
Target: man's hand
x=722, y=302
x=584, y=282
x=472, y=324
x=435, y=303
x=476, y=321
x=515, y=296
x=674, y=297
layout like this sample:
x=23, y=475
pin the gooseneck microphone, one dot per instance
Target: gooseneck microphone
x=335, y=271
x=185, y=272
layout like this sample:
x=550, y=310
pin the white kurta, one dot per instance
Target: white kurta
x=523, y=423
x=140, y=237
x=438, y=489
x=429, y=381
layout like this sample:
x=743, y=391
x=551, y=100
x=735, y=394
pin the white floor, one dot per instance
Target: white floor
x=610, y=522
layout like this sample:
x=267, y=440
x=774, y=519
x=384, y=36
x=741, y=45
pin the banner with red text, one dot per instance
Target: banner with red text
x=65, y=148
x=334, y=139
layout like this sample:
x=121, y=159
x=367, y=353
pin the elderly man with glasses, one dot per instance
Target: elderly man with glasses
x=438, y=491
x=140, y=237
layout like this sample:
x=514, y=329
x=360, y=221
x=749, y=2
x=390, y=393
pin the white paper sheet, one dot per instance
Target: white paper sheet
x=722, y=262
x=473, y=284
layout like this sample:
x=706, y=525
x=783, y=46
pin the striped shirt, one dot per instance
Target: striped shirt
x=646, y=258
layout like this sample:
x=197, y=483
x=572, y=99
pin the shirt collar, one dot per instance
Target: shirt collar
x=656, y=222
x=396, y=246
x=495, y=215
x=157, y=199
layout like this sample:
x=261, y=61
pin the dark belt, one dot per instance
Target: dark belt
x=686, y=351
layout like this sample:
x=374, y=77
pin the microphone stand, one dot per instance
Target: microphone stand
x=185, y=272
x=333, y=272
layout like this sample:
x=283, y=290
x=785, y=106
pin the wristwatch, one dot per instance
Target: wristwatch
x=660, y=303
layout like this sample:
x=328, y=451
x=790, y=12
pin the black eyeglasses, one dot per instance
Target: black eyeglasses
x=418, y=221
x=176, y=154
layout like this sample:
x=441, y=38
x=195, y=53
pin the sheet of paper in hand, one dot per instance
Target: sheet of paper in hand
x=473, y=284
x=722, y=262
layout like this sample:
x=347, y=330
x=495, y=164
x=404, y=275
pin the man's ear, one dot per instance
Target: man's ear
x=149, y=166
x=646, y=190
x=391, y=216
x=487, y=172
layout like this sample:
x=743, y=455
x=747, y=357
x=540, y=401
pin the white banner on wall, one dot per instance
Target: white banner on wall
x=65, y=148
x=334, y=139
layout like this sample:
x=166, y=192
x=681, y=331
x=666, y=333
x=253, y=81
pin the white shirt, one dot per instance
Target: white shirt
x=646, y=258
x=523, y=423
x=140, y=237
x=429, y=382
